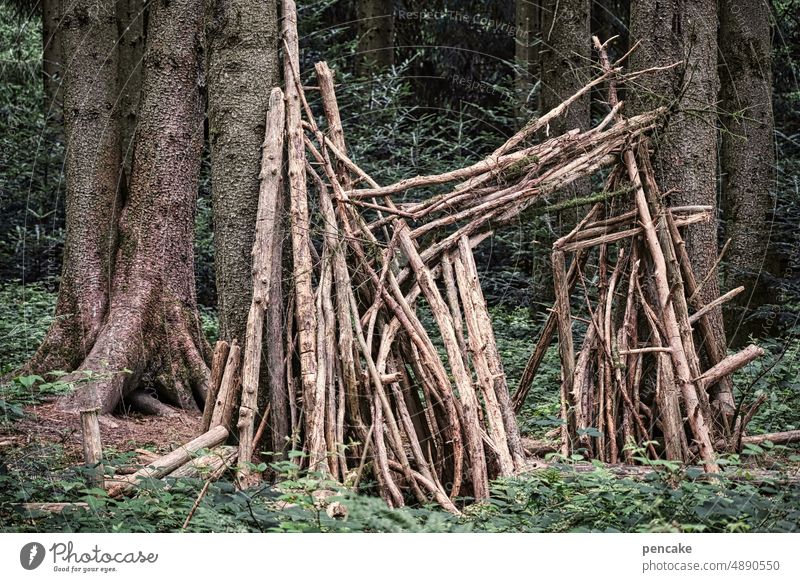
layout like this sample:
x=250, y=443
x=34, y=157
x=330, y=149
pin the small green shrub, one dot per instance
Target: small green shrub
x=27, y=314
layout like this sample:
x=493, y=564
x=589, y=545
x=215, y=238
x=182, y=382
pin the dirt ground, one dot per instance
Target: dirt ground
x=46, y=424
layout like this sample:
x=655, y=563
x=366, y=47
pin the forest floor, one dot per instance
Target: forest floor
x=41, y=458
x=45, y=424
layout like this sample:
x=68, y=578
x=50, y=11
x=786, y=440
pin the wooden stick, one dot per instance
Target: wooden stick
x=543, y=343
x=714, y=304
x=221, y=349
x=229, y=389
x=305, y=312
x=646, y=350
x=730, y=364
x=565, y=345
x=263, y=247
x=452, y=301
x=745, y=420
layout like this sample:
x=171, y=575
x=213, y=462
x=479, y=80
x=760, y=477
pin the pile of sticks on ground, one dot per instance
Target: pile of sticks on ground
x=370, y=388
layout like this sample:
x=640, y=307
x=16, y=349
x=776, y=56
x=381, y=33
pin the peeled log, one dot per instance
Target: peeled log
x=778, y=438
x=171, y=461
x=218, y=459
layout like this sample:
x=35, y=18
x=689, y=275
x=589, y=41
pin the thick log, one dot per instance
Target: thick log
x=169, y=462
x=217, y=460
x=266, y=218
x=92, y=447
x=777, y=438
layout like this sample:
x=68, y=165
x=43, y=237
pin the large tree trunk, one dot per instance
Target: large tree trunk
x=131, y=17
x=151, y=334
x=747, y=153
x=565, y=60
x=242, y=52
x=375, y=35
x=52, y=60
x=672, y=31
x=565, y=67
x=91, y=166
x=242, y=57
x=526, y=54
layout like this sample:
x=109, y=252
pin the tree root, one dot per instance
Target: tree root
x=130, y=352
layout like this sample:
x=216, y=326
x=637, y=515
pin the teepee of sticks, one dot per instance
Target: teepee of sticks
x=371, y=393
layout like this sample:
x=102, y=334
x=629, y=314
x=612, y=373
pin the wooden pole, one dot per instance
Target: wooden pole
x=305, y=311
x=266, y=219
x=565, y=345
x=221, y=350
x=92, y=447
x=229, y=389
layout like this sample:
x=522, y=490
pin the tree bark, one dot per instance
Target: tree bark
x=151, y=333
x=565, y=67
x=375, y=35
x=526, y=53
x=131, y=16
x=91, y=167
x=565, y=61
x=52, y=61
x=242, y=56
x=673, y=31
x=747, y=155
